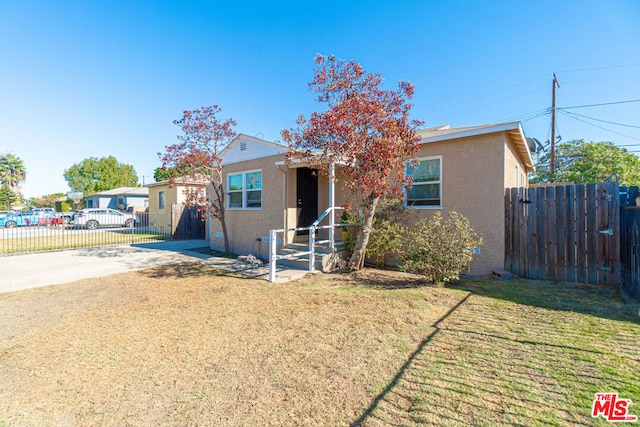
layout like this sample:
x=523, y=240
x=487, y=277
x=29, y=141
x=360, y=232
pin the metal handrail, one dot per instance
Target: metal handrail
x=273, y=248
x=323, y=215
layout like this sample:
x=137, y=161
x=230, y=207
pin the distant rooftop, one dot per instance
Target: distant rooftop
x=123, y=191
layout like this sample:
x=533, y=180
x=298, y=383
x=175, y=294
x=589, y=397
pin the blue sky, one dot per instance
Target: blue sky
x=83, y=79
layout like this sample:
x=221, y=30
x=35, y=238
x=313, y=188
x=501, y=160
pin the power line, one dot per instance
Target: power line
x=599, y=105
x=603, y=121
x=524, y=120
x=489, y=94
x=600, y=127
x=599, y=68
x=602, y=77
x=527, y=116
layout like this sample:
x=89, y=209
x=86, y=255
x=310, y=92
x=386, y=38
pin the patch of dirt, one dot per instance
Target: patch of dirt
x=191, y=345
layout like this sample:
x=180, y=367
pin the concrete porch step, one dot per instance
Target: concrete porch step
x=325, y=259
x=321, y=249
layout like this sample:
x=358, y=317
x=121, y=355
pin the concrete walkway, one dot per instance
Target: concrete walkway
x=50, y=268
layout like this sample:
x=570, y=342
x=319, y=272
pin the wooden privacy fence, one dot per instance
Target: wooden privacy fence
x=630, y=242
x=187, y=222
x=564, y=233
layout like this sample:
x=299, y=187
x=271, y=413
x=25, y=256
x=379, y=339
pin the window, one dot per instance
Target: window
x=160, y=200
x=244, y=190
x=427, y=184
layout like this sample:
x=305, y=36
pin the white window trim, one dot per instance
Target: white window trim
x=244, y=191
x=440, y=206
x=162, y=197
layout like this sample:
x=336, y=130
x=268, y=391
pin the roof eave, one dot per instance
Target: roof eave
x=513, y=129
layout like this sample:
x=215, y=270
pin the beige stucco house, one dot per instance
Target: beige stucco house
x=166, y=199
x=461, y=169
x=163, y=194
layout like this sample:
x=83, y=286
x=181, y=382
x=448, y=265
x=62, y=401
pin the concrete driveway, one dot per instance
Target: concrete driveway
x=50, y=268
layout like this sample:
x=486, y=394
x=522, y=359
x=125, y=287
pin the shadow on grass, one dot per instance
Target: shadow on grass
x=401, y=372
x=189, y=270
x=596, y=300
x=483, y=363
x=383, y=279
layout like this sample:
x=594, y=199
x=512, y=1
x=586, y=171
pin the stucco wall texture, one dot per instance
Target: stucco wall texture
x=247, y=227
x=475, y=172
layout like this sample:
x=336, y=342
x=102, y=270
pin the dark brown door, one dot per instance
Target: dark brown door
x=307, y=198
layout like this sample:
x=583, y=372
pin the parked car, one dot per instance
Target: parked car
x=50, y=216
x=43, y=211
x=19, y=219
x=94, y=218
x=49, y=219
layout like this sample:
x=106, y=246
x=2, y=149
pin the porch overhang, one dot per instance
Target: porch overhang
x=301, y=163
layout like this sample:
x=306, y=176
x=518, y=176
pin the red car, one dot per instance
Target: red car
x=49, y=221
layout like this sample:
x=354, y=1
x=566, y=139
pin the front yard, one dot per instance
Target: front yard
x=189, y=345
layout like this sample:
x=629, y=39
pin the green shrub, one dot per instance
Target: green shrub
x=387, y=231
x=385, y=239
x=64, y=206
x=350, y=232
x=440, y=249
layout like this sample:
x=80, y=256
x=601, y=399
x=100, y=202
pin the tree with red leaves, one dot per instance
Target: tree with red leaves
x=364, y=127
x=197, y=156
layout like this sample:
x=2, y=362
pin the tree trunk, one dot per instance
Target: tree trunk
x=223, y=223
x=218, y=205
x=357, y=258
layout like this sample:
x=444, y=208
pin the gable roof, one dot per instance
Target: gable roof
x=123, y=191
x=245, y=147
x=514, y=132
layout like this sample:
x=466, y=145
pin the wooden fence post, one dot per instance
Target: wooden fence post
x=614, y=241
x=570, y=193
x=592, y=234
x=532, y=234
x=508, y=232
x=549, y=233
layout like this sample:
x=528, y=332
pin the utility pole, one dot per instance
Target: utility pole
x=552, y=166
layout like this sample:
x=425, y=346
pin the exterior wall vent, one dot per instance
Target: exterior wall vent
x=243, y=145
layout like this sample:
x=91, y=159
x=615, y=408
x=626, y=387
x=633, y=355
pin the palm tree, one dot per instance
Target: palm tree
x=7, y=197
x=12, y=171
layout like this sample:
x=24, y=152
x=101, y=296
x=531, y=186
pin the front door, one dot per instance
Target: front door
x=307, y=198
